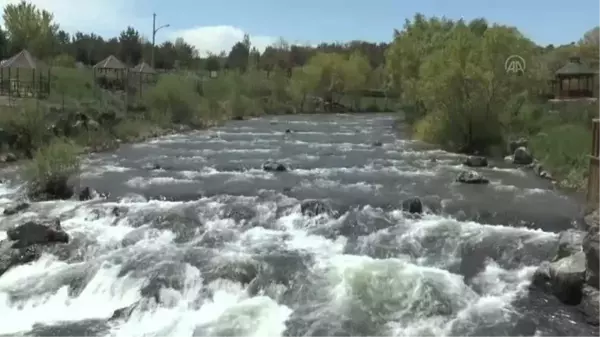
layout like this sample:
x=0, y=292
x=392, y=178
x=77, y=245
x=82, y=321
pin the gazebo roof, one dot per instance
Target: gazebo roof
x=111, y=62
x=574, y=67
x=144, y=68
x=22, y=60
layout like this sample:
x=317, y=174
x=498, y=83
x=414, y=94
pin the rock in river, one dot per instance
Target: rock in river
x=476, y=161
x=471, y=177
x=16, y=209
x=412, y=205
x=271, y=166
x=563, y=278
x=522, y=156
x=315, y=207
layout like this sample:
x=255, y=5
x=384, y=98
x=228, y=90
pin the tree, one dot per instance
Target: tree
x=30, y=28
x=355, y=74
x=130, y=46
x=254, y=59
x=238, y=56
x=212, y=63
x=465, y=90
x=591, y=37
x=268, y=60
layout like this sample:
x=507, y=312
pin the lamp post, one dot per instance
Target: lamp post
x=154, y=30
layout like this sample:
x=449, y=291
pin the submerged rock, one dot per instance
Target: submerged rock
x=476, y=161
x=315, y=207
x=412, y=205
x=471, y=177
x=123, y=313
x=239, y=213
x=271, y=166
x=16, y=209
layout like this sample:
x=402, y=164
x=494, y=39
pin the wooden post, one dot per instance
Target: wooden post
x=593, y=187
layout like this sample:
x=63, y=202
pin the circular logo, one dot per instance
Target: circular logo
x=514, y=64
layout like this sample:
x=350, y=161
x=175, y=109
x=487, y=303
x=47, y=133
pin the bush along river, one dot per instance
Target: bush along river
x=320, y=225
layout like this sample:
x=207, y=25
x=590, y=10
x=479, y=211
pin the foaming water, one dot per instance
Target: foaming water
x=205, y=243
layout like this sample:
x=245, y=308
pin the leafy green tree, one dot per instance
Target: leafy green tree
x=30, y=28
x=466, y=90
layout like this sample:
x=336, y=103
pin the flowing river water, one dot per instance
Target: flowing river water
x=211, y=245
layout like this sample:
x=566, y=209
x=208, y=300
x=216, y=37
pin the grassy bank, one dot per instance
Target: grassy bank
x=559, y=137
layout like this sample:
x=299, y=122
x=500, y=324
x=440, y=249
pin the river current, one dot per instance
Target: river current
x=199, y=241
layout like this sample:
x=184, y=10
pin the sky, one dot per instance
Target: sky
x=213, y=26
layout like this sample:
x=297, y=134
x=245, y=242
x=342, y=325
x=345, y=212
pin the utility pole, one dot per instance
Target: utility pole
x=154, y=30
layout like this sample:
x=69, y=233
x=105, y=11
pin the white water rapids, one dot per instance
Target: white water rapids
x=211, y=245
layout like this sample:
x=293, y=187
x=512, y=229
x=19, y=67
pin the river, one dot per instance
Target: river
x=211, y=245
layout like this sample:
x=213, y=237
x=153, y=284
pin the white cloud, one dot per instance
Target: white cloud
x=215, y=39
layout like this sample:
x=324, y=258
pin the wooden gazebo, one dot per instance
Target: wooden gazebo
x=574, y=80
x=111, y=73
x=145, y=72
x=24, y=76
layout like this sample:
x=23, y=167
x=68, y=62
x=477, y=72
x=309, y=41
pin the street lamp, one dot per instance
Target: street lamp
x=154, y=30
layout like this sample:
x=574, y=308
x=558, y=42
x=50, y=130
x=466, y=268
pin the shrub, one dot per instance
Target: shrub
x=49, y=171
x=175, y=96
x=564, y=150
x=134, y=129
x=27, y=124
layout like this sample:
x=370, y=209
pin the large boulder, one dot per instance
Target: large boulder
x=476, y=161
x=32, y=233
x=471, y=177
x=522, y=156
x=563, y=278
x=26, y=242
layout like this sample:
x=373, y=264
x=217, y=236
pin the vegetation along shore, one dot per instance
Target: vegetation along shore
x=448, y=79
